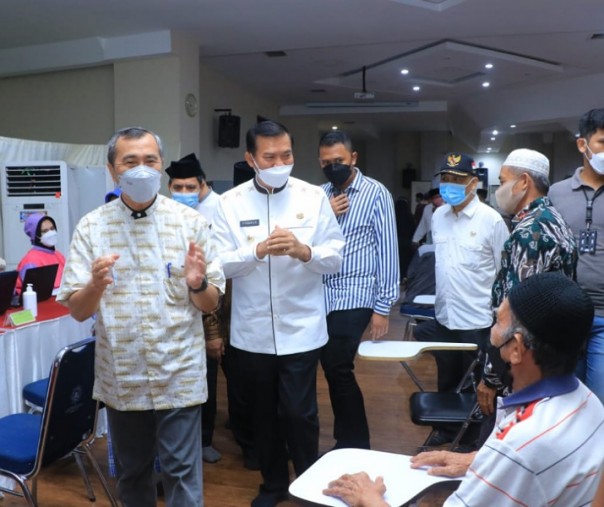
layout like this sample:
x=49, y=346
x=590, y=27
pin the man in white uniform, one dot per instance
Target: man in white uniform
x=277, y=236
x=468, y=238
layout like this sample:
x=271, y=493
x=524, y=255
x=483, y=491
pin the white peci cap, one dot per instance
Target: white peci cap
x=528, y=159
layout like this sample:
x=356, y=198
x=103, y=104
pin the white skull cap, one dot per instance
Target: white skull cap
x=528, y=159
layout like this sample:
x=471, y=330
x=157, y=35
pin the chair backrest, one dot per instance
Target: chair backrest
x=69, y=415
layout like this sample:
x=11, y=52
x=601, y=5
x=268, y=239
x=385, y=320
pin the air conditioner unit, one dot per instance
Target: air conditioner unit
x=48, y=187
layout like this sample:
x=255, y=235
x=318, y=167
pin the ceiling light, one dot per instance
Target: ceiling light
x=334, y=127
x=405, y=71
x=489, y=148
x=493, y=138
x=488, y=66
x=486, y=84
x=495, y=132
x=513, y=126
x=416, y=88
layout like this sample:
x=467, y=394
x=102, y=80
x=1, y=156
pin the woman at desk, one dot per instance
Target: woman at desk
x=42, y=231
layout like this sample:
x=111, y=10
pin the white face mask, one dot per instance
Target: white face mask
x=596, y=161
x=49, y=238
x=274, y=177
x=140, y=183
x=506, y=200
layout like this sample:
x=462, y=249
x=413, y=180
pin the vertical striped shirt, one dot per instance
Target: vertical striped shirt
x=369, y=277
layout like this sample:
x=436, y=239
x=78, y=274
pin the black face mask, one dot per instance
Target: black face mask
x=337, y=173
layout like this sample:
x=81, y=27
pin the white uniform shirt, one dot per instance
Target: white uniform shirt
x=150, y=349
x=468, y=250
x=278, y=305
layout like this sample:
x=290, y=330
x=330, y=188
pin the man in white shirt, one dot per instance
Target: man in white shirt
x=425, y=224
x=468, y=237
x=277, y=236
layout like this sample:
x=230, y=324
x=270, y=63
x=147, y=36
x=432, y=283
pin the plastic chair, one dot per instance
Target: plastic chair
x=438, y=409
x=67, y=424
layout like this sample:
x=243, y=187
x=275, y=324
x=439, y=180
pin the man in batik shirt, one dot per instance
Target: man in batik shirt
x=540, y=241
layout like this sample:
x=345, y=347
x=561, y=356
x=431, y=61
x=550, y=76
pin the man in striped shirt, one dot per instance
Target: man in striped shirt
x=547, y=447
x=361, y=294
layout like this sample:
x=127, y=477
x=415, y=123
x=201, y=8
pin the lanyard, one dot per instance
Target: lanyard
x=589, y=205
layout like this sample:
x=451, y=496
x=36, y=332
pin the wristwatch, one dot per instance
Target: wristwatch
x=201, y=288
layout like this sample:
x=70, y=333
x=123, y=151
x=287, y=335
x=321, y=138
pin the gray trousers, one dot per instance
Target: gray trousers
x=175, y=436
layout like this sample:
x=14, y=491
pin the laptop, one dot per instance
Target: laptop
x=42, y=280
x=8, y=280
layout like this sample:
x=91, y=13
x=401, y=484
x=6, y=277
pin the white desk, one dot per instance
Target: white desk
x=403, y=483
x=403, y=351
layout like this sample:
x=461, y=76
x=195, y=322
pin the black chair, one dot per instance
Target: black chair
x=442, y=409
x=67, y=424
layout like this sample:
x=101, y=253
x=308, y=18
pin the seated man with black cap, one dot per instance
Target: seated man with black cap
x=548, y=443
x=188, y=186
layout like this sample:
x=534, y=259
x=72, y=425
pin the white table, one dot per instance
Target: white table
x=403, y=484
x=403, y=351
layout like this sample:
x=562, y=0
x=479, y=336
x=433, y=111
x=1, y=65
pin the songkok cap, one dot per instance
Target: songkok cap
x=186, y=167
x=528, y=159
x=554, y=309
x=114, y=194
x=458, y=164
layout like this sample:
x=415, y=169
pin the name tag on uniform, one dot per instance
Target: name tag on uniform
x=249, y=223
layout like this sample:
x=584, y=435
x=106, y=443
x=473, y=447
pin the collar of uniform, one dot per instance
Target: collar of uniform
x=547, y=387
x=263, y=190
x=136, y=214
x=469, y=210
x=575, y=182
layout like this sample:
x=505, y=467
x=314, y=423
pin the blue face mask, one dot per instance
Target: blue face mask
x=191, y=200
x=453, y=193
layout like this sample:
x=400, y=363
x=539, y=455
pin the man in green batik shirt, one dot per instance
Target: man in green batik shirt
x=540, y=241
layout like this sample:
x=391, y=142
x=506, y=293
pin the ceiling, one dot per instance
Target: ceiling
x=308, y=56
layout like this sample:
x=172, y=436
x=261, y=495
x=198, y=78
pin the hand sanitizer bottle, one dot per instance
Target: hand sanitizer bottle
x=30, y=300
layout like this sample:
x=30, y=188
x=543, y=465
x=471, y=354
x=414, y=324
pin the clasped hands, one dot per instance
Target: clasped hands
x=283, y=242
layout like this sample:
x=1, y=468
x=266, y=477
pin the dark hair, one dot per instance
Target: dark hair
x=590, y=122
x=336, y=137
x=267, y=128
x=130, y=133
x=551, y=360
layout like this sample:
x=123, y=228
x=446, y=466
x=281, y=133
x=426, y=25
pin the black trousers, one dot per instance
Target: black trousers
x=285, y=421
x=208, y=409
x=451, y=365
x=345, y=328
x=239, y=402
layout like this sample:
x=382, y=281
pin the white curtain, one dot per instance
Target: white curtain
x=75, y=155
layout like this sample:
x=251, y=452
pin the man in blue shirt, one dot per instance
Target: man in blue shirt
x=361, y=294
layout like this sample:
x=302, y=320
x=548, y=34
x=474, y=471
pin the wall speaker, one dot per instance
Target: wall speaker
x=228, y=131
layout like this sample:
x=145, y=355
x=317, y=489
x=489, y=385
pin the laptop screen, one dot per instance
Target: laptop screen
x=42, y=279
x=8, y=280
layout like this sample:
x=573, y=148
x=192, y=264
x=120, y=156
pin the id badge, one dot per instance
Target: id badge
x=587, y=241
